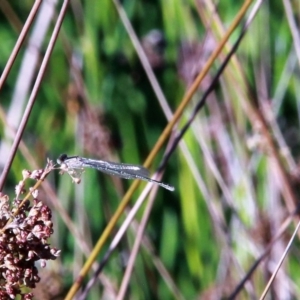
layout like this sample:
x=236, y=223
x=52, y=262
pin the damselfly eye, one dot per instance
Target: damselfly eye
x=62, y=158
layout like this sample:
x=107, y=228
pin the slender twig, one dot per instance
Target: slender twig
x=26, y=74
x=280, y=262
x=136, y=246
x=19, y=42
x=257, y=262
x=33, y=95
x=144, y=60
x=117, y=239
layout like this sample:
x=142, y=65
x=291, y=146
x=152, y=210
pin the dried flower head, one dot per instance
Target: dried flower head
x=24, y=231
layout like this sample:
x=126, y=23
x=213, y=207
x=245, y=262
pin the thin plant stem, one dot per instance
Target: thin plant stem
x=280, y=262
x=33, y=95
x=19, y=42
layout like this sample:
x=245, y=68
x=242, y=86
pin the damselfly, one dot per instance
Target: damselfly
x=75, y=165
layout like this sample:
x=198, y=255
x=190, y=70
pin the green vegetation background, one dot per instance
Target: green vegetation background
x=185, y=236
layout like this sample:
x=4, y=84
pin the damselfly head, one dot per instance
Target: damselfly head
x=62, y=158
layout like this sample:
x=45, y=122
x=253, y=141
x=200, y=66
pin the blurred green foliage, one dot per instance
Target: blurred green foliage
x=181, y=229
